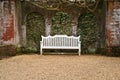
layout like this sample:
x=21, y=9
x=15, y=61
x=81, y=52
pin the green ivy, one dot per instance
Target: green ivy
x=87, y=29
x=61, y=24
x=34, y=30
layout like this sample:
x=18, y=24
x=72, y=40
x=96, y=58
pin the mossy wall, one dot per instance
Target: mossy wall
x=34, y=30
x=7, y=50
x=88, y=30
x=61, y=24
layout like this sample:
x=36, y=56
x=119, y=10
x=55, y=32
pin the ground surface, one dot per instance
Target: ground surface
x=60, y=67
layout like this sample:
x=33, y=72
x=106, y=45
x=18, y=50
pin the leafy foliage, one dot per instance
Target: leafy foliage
x=61, y=24
x=35, y=28
x=87, y=28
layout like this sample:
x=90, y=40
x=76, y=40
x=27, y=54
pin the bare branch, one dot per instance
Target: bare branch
x=96, y=5
x=58, y=4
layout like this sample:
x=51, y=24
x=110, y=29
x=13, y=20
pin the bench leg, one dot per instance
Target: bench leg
x=41, y=51
x=79, y=52
x=41, y=44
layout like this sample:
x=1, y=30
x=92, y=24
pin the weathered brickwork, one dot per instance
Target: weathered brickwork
x=1, y=22
x=7, y=22
x=113, y=24
x=12, y=30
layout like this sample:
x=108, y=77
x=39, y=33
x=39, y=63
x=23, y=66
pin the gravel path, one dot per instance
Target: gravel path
x=60, y=67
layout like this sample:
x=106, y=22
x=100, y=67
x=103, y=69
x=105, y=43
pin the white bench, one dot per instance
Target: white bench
x=60, y=42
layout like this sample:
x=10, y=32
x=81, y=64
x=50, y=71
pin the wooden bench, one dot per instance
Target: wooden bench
x=60, y=42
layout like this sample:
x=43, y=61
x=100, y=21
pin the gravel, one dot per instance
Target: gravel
x=60, y=67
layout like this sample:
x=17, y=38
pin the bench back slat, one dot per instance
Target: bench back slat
x=60, y=41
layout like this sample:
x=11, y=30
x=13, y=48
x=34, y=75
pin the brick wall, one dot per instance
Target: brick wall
x=8, y=27
x=1, y=22
x=113, y=24
x=7, y=22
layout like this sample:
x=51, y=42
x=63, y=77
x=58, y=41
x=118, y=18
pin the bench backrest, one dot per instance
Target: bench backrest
x=60, y=41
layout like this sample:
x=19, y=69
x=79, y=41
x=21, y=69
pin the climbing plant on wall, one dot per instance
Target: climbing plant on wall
x=61, y=24
x=87, y=29
x=34, y=30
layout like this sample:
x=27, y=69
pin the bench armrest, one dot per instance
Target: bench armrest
x=78, y=42
x=41, y=41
